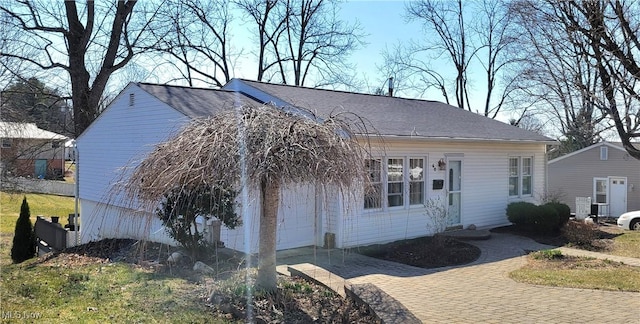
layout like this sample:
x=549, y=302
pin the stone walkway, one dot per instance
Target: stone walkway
x=480, y=292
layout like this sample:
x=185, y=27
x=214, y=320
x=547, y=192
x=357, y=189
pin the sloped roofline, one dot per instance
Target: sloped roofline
x=247, y=83
x=28, y=131
x=590, y=147
x=247, y=88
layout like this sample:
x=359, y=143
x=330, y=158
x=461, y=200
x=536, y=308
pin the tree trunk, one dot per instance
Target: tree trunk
x=270, y=194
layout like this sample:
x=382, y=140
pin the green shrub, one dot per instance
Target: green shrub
x=24, y=241
x=545, y=220
x=564, y=213
x=547, y=255
x=520, y=213
x=579, y=233
x=181, y=207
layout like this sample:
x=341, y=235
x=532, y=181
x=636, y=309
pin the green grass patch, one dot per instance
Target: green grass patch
x=39, y=204
x=100, y=293
x=36, y=291
x=578, y=272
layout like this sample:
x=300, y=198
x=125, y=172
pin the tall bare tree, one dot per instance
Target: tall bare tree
x=607, y=32
x=299, y=39
x=556, y=76
x=197, y=39
x=268, y=27
x=459, y=35
x=447, y=20
x=88, y=42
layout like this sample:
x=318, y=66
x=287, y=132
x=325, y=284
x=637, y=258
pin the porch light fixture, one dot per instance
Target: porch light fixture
x=442, y=165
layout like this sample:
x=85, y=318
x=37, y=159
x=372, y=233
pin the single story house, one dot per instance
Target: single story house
x=425, y=151
x=603, y=171
x=29, y=151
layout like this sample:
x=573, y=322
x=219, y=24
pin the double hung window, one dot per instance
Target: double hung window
x=399, y=182
x=520, y=176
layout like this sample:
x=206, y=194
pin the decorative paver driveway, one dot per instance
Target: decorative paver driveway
x=481, y=292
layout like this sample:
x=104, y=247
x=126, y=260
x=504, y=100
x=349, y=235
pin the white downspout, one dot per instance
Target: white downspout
x=77, y=193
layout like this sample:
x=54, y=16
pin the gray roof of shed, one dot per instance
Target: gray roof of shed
x=393, y=116
x=196, y=102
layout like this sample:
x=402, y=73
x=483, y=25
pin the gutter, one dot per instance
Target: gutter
x=456, y=139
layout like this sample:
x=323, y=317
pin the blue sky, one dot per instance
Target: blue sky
x=385, y=25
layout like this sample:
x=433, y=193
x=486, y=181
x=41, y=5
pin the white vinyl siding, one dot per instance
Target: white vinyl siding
x=485, y=191
x=120, y=138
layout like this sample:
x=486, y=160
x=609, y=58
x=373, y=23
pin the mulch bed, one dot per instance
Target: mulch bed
x=425, y=252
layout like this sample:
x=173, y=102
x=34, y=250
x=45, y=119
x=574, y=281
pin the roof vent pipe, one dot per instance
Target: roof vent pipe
x=390, y=86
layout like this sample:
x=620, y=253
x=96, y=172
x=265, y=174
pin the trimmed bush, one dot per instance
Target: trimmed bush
x=520, y=213
x=564, y=212
x=24, y=241
x=579, y=233
x=545, y=220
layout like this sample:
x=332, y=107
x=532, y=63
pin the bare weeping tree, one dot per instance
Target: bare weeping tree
x=86, y=42
x=272, y=147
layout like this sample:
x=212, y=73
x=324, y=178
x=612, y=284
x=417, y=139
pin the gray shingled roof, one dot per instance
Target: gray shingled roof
x=394, y=116
x=390, y=116
x=196, y=102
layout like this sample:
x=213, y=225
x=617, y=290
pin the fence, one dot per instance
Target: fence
x=40, y=186
x=52, y=237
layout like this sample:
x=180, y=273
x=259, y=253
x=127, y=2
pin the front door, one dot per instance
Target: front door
x=617, y=196
x=41, y=169
x=454, y=188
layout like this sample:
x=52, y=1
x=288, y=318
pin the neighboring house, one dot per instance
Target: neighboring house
x=425, y=150
x=603, y=171
x=28, y=151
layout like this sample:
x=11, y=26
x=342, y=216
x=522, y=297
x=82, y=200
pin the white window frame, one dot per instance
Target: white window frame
x=380, y=184
x=402, y=181
x=406, y=182
x=423, y=180
x=604, y=153
x=7, y=142
x=521, y=176
x=595, y=190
